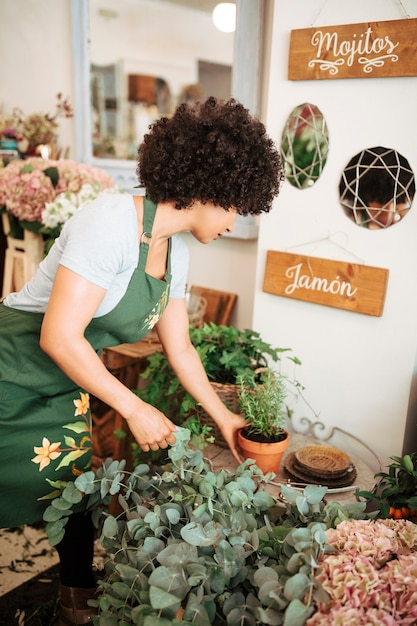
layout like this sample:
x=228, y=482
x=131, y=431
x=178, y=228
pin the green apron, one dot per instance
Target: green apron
x=45, y=422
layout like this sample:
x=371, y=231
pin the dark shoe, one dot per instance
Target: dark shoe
x=73, y=607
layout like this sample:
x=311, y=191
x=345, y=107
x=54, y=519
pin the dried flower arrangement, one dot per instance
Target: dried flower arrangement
x=30, y=131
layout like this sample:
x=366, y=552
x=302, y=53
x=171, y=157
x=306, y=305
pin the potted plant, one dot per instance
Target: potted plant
x=395, y=493
x=226, y=353
x=196, y=547
x=263, y=406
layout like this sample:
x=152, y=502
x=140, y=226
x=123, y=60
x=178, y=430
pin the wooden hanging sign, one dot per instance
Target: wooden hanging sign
x=368, y=50
x=350, y=286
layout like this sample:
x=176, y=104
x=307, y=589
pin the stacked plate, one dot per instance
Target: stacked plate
x=320, y=465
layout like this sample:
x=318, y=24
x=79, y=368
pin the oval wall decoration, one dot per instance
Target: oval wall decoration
x=304, y=145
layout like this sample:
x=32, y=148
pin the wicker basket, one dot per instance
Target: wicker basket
x=228, y=394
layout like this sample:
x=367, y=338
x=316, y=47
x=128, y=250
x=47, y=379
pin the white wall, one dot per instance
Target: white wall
x=36, y=58
x=356, y=368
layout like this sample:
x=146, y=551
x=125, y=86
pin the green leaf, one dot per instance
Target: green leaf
x=27, y=168
x=85, y=482
x=53, y=174
x=197, y=535
x=52, y=514
x=408, y=463
x=263, y=500
x=264, y=574
x=121, y=590
x=154, y=620
x=297, y=613
x=77, y=427
x=161, y=599
x=61, y=504
x=127, y=573
x=72, y=494
x=55, y=531
x=296, y=587
x=70, y=457
x=315, y=494
x=110, y=527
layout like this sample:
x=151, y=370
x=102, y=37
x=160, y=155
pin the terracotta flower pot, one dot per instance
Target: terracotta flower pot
x=267, y=456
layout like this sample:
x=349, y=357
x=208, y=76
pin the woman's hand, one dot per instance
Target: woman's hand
x=229, y=427
x=151, y=428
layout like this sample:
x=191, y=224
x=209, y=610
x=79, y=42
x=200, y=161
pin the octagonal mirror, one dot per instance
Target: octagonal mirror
x=377, y=188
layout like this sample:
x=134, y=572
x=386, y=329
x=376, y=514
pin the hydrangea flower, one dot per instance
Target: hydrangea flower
x=27, y=186
x=370, y=575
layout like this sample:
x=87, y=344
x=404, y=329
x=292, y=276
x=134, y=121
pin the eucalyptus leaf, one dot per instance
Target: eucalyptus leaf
x=302, y=505
x=110, y=527
x=240, y=616
x=52, y=514
x=165, y=578
x=178, y=554
x=263, y=500
x=296, y=586
x=297, y=613
x=239, y=498
x=264, y=574
x=72, y=494
x=161, y=599
x=153, y=546
x=85, y=482
x=127, y=573
x=61, y=504
x=197, y=535
x=197, y=614
x=314, y=493
x=154, y=620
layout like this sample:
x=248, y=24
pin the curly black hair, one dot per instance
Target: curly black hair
x=214, y=152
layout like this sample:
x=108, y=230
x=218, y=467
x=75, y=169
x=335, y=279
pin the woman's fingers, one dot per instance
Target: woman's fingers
x=163, y=444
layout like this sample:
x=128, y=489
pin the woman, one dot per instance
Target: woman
x=117, y=269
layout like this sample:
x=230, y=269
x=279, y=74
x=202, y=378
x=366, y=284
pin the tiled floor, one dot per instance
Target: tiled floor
x=24, y=553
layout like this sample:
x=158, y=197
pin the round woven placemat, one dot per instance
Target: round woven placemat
x=293, y=470
x=324, y=459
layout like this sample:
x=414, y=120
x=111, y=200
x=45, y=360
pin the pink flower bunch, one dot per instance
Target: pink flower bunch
x=72, y=176
x=27, y=185
x=370, y=576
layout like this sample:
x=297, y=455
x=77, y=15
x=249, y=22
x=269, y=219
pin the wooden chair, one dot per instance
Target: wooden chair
x=220, y=304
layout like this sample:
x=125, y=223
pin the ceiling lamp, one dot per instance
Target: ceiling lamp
x=224, y=17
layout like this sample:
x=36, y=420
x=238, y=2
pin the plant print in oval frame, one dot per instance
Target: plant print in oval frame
x=304, y=145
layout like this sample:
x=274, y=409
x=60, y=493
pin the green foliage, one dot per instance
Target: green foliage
x=396, y=488
x=226, y=354
x=263, y=403
x=213, y=545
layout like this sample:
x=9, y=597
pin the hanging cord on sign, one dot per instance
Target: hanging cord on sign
x=399, y=2
x=403, y=9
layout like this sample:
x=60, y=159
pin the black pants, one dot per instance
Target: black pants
x=76, y=552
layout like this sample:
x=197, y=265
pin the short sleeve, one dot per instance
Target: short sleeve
x=179, y=267
x=100, y=241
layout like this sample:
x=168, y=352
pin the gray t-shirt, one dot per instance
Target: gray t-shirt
x=100, y=243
